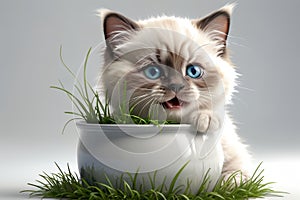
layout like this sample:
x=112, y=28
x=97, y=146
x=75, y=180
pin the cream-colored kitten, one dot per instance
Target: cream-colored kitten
x=180, y=67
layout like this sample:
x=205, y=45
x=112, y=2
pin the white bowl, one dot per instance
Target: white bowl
x=113, y=150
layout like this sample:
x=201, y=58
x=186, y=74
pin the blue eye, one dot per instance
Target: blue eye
x=194, y=71
x=152, y=72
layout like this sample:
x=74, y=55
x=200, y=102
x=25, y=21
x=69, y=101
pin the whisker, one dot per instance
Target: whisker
x=141, y=96
x=245, y=88
x=145, y=105
x=140, y=99
x=143, y=99
x=147, y=89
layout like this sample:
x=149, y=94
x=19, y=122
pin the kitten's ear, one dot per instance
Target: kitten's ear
x=115, y=25
x=217, y=26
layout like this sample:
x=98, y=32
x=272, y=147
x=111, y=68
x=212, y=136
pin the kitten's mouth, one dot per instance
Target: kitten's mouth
x=174, y=103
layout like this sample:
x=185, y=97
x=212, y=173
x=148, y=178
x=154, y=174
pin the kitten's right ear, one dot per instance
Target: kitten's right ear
x=116, y=27
x=217, y=25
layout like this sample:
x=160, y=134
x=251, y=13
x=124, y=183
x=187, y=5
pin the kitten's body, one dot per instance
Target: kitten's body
x=170, y=46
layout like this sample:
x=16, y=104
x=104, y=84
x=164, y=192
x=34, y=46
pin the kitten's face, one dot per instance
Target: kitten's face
x=173, y=63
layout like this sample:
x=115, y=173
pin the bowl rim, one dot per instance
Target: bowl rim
x=83, y=123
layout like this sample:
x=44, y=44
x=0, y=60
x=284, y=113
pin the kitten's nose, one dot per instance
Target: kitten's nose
x=176, y=87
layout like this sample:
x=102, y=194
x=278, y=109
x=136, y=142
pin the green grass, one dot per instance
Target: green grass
x=68, y=185
x=84, y=98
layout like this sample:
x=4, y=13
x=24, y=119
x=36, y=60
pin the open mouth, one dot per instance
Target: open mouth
x=174, y=103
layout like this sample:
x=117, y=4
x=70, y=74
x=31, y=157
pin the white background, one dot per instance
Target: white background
x=265, y=45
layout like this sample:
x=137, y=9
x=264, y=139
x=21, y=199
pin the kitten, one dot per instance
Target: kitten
x=179, y=66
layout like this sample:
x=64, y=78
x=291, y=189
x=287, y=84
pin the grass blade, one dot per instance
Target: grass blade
x=84, y=72
x=68, y=68
x=174, y=180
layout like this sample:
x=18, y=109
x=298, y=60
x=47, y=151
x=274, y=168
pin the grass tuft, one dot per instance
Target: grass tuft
x=68, y=185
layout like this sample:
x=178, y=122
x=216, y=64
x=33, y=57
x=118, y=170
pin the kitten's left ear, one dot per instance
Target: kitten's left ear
x=217, y=26
x=114, y=27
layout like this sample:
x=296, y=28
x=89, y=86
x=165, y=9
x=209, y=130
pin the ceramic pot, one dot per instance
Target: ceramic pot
x=153, y=152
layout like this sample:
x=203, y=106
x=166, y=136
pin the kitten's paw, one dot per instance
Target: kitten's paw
x=205, y=122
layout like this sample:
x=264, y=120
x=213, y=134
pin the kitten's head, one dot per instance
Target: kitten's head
x=178, y=64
